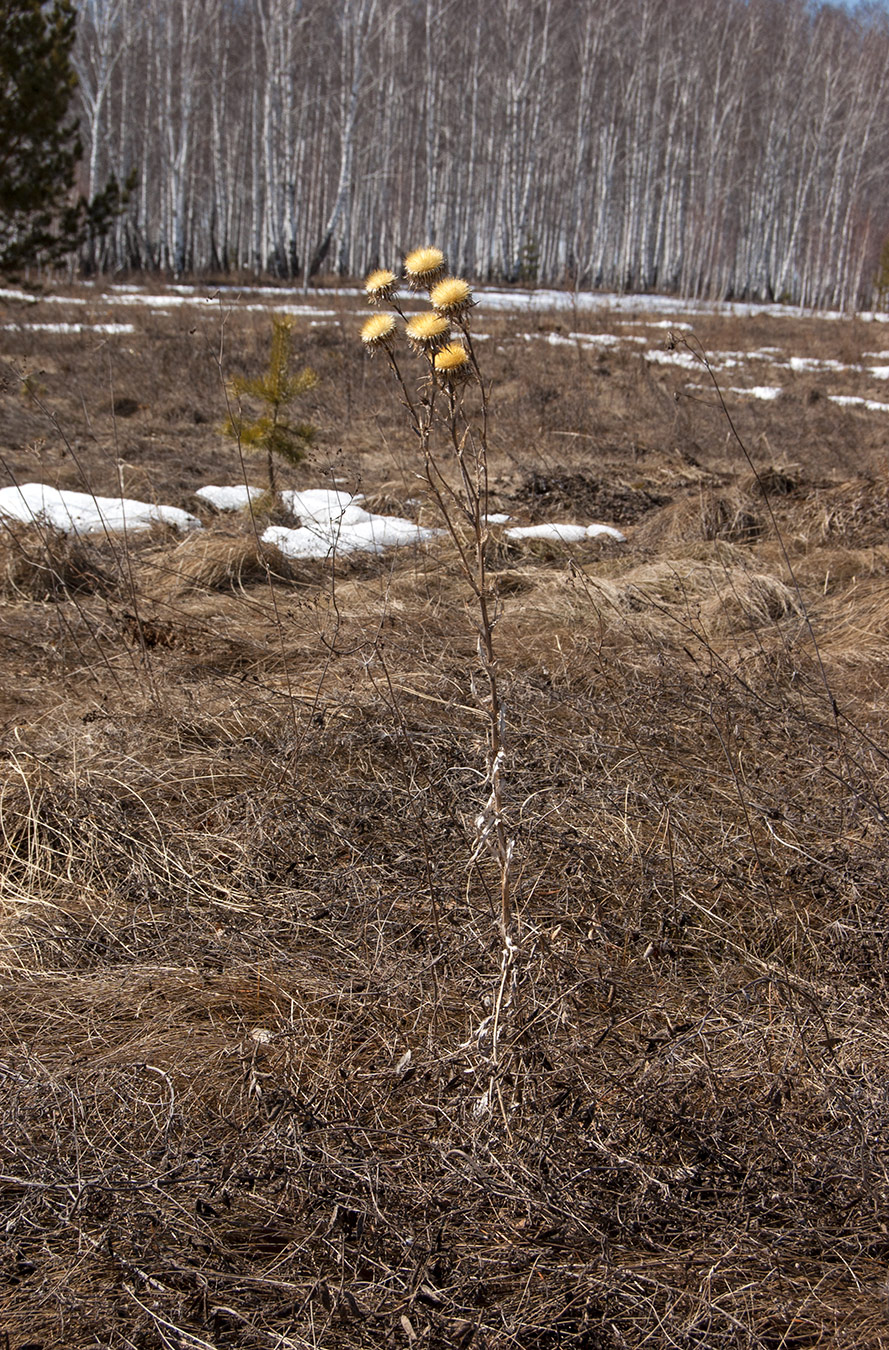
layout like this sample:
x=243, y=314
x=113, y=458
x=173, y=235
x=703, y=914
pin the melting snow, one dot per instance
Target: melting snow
x=563, y=534
x=685, y=359
x=82, y=513
x=298, y=311
x=763, y=391
x=152, y=301
x=72, y=327
x=807, y=363
x=333, y=522
x=229, y=498
x=852, y=401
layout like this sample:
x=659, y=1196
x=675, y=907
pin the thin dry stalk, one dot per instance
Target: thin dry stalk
x=443, y=419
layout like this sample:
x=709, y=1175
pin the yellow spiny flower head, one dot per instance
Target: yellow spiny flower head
x=451, y=296
x=452, y=363
x=378, y=331
x=380, y=286
x=424, y=267
x=427, y=332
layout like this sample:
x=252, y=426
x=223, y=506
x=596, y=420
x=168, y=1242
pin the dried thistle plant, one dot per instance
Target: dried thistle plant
x=448, y=410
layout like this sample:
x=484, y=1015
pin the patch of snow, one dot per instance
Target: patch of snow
x=563, y=534
x=324, y=506
x=587, y=339
x=733, y=358
x=763, y=391
x=606, y=339
x=497, y=518
x=852, y=401
x=523, y=301
x=63, y=299
x=299, y=311
x=809, y=363
x=660, y=358
x=333, y=522
x=554, y=339
x=228, y=498
x=82, y=513
x=879, y=372
x=151, y=301
x=72, y=327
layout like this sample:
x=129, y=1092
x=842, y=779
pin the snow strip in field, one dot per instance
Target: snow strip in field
x=70, y=327
x=564, y=534
x=523, y=301
x=763, y=391
x=572, y=340
x=852, y=401
x=803, y=364
x=82, y=513
x=228, y=498
x=684, y=359
x=297, y=311
x=152, y=301
x=333, y=522
x=491, y=299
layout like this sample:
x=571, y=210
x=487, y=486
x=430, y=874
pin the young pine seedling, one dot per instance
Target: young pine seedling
x=272, y=432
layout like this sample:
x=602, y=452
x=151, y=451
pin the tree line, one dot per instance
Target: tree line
x=716, y=148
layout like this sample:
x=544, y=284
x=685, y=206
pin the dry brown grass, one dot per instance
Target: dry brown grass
x=209, y=561
x=246, y=963
x=40, y=563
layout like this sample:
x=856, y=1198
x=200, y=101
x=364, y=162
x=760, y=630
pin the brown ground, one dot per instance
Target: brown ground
x=246, y=1088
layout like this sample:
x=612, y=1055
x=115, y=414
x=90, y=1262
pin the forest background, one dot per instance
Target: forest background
x=717, y=148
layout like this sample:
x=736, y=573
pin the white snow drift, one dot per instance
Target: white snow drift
x=82, y=513
x=228, y=498
x=564, y=534
x=333, y=522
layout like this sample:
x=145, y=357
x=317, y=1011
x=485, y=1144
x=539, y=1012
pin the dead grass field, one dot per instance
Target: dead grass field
x=246, y=964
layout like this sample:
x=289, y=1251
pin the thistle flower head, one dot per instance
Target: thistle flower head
x=452, y=362
x=427, y=332
x=380, y=286
x=424, y=267
x=378, y=331
x=451, y=296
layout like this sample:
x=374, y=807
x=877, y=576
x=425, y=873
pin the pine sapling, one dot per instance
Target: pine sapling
x=272, y=432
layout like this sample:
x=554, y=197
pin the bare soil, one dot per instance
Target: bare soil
x=247, y=961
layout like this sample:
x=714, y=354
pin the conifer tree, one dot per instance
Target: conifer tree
x=40, y=217
x=272, y=433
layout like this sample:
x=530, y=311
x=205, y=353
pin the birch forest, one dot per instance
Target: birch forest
x=714, y=148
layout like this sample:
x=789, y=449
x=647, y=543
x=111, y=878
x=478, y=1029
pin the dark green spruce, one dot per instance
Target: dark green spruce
x=43, y=217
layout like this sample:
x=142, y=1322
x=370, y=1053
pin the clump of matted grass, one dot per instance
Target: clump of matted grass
x=647, y=604
x=40, y=563
x=854, y=513
x=727, y=514
x=212, y=561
